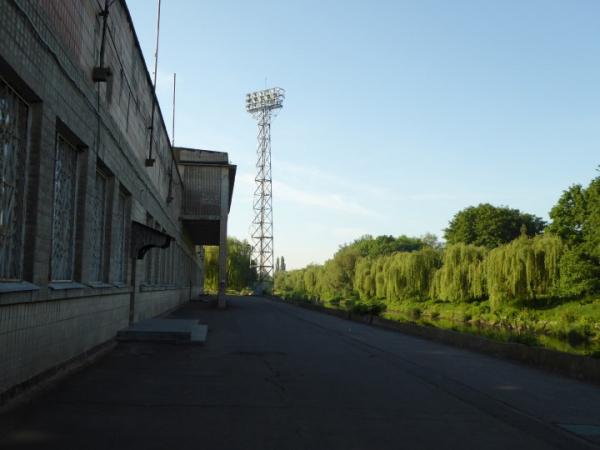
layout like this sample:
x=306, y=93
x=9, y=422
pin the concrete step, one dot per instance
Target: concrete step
x=165, y=330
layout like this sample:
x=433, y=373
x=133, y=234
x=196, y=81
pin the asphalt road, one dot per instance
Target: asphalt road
x=274, y=376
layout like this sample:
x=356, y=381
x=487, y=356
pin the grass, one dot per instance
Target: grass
x=571, y=326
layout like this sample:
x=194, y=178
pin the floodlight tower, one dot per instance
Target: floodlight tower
x=263, y=105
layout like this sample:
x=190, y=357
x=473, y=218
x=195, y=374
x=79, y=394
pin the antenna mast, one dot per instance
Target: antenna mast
x=173, y=126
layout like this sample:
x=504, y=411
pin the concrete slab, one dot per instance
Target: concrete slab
x=274, y=376
x=165, y=330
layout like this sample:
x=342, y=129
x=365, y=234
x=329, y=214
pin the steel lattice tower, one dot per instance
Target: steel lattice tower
x=263, y=105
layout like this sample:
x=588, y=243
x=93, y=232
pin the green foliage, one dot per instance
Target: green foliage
x=239, y=273
x=573, y=326
x=569, y=215
x=497, y=272
x=385, y=245
x=525, y=269
x=364, y=307
x=576, y=219
x=335, y=281
x=579, y=272
x=462, y=276
x=279, y=264
x=290, y=285
x=364, y=281
x=489, y=226
x=431, y=240
x=211, y=268
x=493, y=253
x=340, y=271
x=415, y=274
x=311, y=276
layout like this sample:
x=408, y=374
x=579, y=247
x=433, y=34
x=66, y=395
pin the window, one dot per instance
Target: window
x=120, y=236
x=149, y=255
x=64, y=210
x=98, y=219
x=170, y=253
x=156, y=260
x=14, y=115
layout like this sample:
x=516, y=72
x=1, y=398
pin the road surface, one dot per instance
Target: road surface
x=275, y=376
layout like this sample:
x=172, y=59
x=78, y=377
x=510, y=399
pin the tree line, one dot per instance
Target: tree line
x=491, y=253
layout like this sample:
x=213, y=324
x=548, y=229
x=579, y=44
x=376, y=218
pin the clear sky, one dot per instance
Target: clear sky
x=398, y=113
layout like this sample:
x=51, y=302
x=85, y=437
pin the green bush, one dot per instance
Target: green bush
x=364, y=307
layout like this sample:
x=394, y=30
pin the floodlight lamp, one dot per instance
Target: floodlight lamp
x=265, y=100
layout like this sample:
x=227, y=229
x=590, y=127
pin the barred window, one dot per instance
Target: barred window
x=14, y=115
x=164, y=258
x=120, y=236
x=64, y=210
x=156, y=260
x=170, y=264
x=98, y=219
x=177, y=265
x=149, y=255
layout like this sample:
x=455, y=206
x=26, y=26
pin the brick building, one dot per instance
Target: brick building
x=87, y=170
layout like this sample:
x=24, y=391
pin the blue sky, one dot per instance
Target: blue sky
x=398, y=113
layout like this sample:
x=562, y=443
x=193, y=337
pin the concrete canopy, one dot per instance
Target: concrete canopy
x=208, y=179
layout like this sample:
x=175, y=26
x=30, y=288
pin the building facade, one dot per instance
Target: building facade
x=85, y=157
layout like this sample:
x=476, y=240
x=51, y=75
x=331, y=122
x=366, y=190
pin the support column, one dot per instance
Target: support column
x=222, y=303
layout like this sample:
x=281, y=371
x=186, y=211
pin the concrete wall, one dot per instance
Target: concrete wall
x=47, y=52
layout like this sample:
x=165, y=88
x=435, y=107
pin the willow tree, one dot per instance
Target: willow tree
x=462, y=276
x=364, y=278
x=311, y=275
x=378, y=268
x=410, y=275
x=328, y=282
x=525, y=269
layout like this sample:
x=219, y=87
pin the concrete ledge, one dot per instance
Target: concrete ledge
x=65, y=285
x=18, y=286
x=158, y=287
x=100, y=285
x=177, y=331
x=583, y=368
